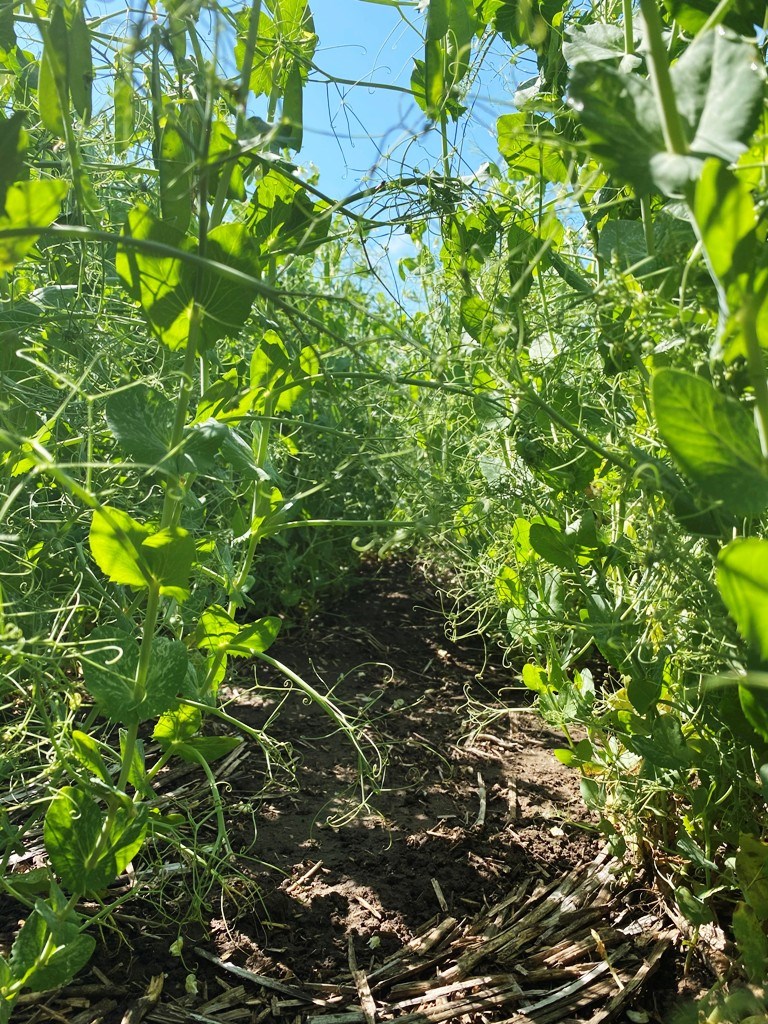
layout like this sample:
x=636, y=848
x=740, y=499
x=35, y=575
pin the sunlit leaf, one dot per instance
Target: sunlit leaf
x=713, y=439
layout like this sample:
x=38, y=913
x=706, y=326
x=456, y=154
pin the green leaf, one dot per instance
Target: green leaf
x=725, y=214
x=552, y=545
x=177, y=726
x=256, y=637
x=742, y=578
x=752, y=943
x=283, y=218
x=28, y=204
x=643, y=691
x=713, y=439
x=157, y=282
x=167, y=677
x=109, y=672
x=623, y=241
x=693, y=909
x=478, y=318
x=88, y=753
x=752, y=874
x=437, y=19
x=53, y=963
x=116, y=541
x=718, y=86
x=527, y=144
x=141, y=421
x=215, y=629
x=666, y=746
x=595, y=42
x=84, y=859
x=169, y=555
x=218, y=631
x=227, y=304
x=743, y=16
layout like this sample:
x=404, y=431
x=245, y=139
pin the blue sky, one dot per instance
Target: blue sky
x=349, y=131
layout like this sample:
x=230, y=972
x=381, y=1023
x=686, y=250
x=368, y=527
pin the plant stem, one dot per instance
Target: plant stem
x=756, y=366
x=671, y=123
x=629, y=35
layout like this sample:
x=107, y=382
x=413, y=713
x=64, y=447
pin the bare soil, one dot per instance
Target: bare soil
x=469, y=805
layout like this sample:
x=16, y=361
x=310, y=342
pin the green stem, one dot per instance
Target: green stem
x=629, y=35
x=756, y=366
x=645, y=210
x=172, y=500
x=671, y=123
x=247, y=68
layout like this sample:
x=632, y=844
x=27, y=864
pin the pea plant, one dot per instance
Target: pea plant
x=605, y=493
x=151, y=353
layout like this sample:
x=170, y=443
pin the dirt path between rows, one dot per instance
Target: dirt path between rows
x=470, y=886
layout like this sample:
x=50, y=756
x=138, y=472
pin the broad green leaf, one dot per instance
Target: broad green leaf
x=623, y=242
x=28, y=204
x=256, y=637
x=718, y=84
x=283, y=219
x=754, y=704
x=478, y=318
x=88, y=753
x=227, y=304
x=84, y=859
x=215, y=629
x=109, y=672
x=552, y=545
x=596, y=42
x=743, y=16
x=752, y=943
x=141, y=421
x=437, y=19
x=169, y=555
x=742, y=578
x=725, y=214
x=752, y=874
x=156, y=281
x=527, y=144
x=116, y=541
x=55, y=962
x=177, y=726
x=224, y=158
x=693, y=909
x=713, y=439
x=451, y=106
x=666, y=746
x=167, y=677
x=218, y=631
x=643, y=691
